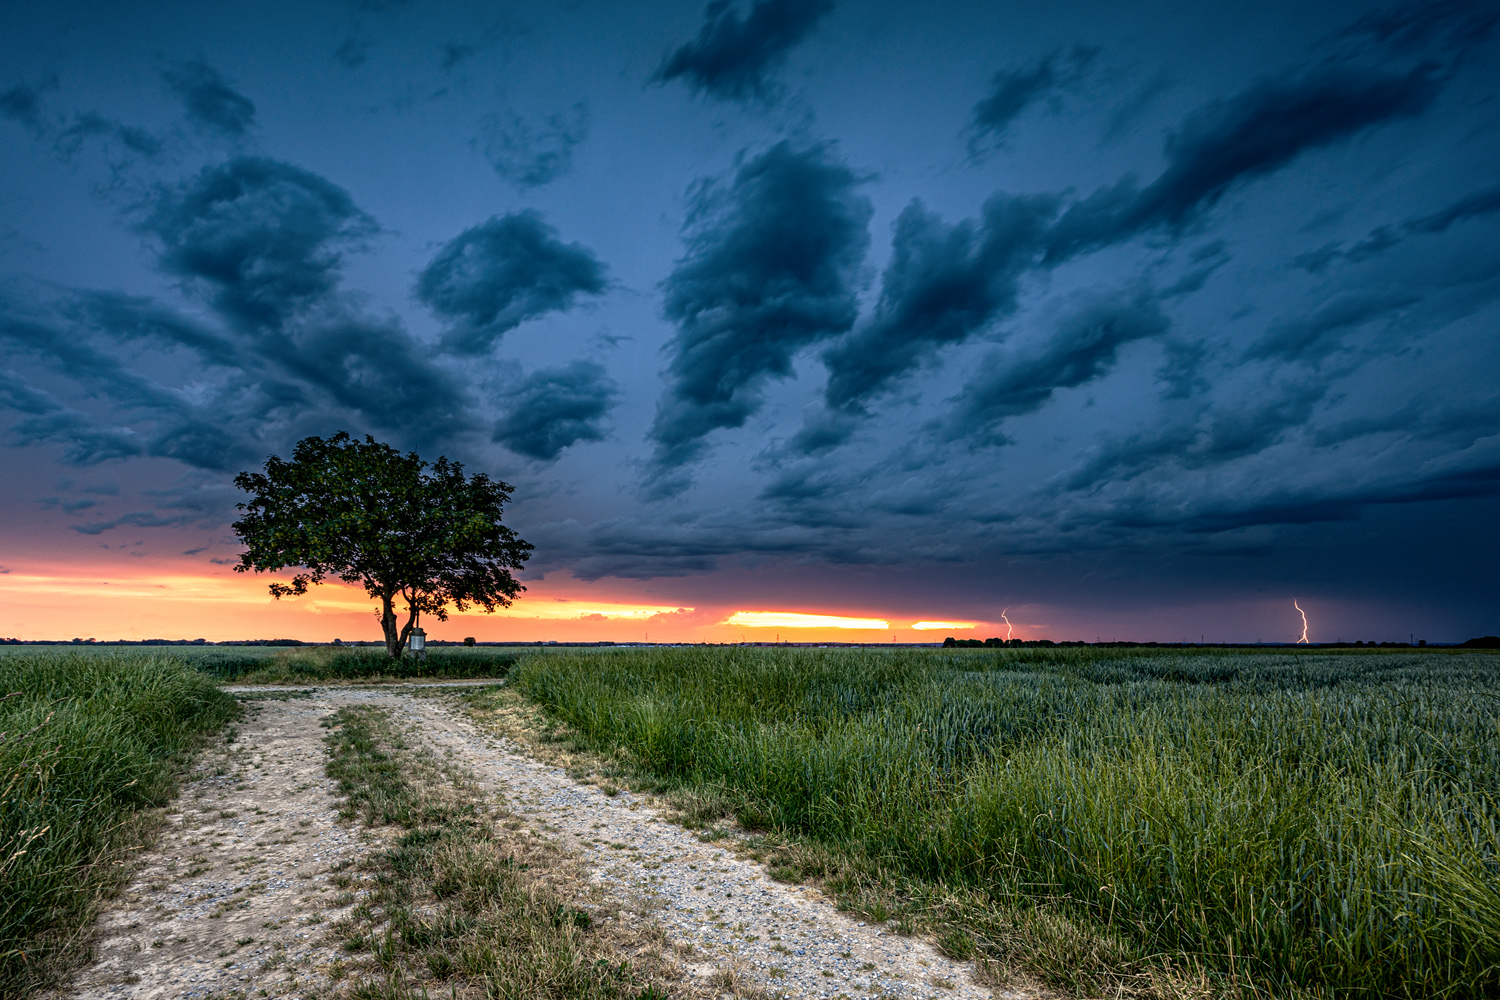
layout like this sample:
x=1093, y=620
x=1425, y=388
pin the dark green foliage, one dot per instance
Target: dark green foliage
x=366, y=514
x=1316, y=822
x=87, y=741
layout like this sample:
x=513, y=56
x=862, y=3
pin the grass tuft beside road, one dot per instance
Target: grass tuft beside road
x=88, y=745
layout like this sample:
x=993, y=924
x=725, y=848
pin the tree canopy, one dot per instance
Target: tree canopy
x=365, y=513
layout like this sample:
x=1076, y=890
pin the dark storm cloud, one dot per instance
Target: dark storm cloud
x=138, y=318
x=823, y=431
x=1283, y=503
x=732, y=59
x=1457, y=423
x=85, y=441
x=211, y=103
x=203, y=442
x=307, y=371
x=1476, y=205
x=528, y=155
x=635, y=548
x=1182, y=374
x=70, y=506
x=374, y=367
x=1384, y=238
x=1252, y=134
x=198, y=499
x=1083, y=346
x=264, y=236
x=493, y=277
x=154, y=420
x=90, y=126
x=625, y=548
x=35, y=329
x=16, y=395
x=1316, y=261
x=266, y=239
x=555, y=408
x=1320, y=332
x=771, y=269
x=944, y=284
x=1207, y=435
x=1445, y=25
x=22, y=104
x=1012, y=91
x=353, y=52
x=48, y=420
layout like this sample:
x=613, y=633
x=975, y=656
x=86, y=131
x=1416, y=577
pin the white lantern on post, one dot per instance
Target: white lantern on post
x=419, y=643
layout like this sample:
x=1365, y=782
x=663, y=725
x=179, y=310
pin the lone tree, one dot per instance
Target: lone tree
x=366, y=513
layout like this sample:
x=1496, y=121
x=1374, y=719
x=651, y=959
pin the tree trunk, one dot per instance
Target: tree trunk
x=395, y=637
x=395, y=641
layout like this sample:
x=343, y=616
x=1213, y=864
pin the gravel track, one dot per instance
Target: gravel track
x=250, y=851
x=236, y=891
x=786, y=940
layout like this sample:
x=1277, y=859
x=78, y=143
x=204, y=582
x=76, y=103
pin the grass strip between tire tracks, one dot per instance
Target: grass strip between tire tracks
x=457, y=905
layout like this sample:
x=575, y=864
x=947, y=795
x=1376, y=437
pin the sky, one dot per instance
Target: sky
x=1069, y=320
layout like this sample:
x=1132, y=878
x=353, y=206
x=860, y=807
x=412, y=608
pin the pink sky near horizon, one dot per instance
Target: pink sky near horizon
x=113, y=595
x=157, y=599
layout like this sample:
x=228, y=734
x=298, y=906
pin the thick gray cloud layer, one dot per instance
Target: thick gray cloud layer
x=1130, y=292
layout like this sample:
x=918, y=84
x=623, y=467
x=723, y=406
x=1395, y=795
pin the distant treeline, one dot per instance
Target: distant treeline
x=1482, y=642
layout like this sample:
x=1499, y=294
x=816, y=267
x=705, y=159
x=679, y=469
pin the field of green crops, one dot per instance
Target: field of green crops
x=88, y=742
x=1287, y=823
x=295, y=664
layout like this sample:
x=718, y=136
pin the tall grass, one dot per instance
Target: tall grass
x=323, y=664
x=1324, y=824
x=86, y=743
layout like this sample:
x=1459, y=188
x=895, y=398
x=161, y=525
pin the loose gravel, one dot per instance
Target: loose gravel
x=786, y=940
x=236, y=897
x=236, y=893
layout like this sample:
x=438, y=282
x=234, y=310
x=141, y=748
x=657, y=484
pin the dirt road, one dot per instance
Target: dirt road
x=252, y=869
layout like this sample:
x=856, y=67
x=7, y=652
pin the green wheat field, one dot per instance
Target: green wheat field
x=1296, y=822
x=1259, y=823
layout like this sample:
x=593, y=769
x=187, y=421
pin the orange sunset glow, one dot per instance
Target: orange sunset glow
x=171, y=601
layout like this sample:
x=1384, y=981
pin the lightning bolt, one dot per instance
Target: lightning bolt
x=1009, y=629
x=1304, y=620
